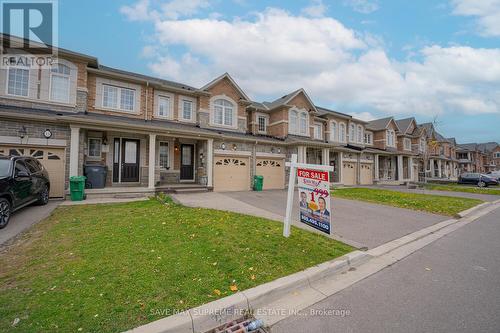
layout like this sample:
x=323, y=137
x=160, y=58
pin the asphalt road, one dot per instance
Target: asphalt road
x=451, y=285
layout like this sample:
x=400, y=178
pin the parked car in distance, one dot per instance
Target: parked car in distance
x=478, y=179
x=494, y=174
x=23, y=181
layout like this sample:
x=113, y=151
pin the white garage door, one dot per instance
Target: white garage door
x=273, y=171
x=349, y=173
x=51, y=158
x=231, y=173
x=366, y=174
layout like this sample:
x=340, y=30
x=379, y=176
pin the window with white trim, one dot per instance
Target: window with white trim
x=360, y=134
x=164, y=107
x=119, y=98
x=352, y=133
x=224, y=112
x=422, y=145
x=18, y=81
x=261, y=124
x=94, y=147
x=164, y=155
x=391, y=142
x=333, y=131
x=187, y=109
x=342, y=132
x=298, y=122
x=318, y=131
x=368, y=139
x=407, y=144
x=59, y=83
x=497, y=155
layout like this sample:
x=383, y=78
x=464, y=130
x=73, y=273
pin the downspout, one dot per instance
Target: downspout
x=146, y=108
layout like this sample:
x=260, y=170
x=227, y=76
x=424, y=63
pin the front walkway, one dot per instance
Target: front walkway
x=358, y=223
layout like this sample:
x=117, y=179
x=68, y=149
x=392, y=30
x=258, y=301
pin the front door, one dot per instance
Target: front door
x=187, y=162
x=130, y=161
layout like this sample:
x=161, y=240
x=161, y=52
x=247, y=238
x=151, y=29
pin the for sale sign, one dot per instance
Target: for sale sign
x=314, y=196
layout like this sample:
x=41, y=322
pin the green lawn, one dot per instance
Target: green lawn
x=430, y=203
x=494, y=190
x=108, y=268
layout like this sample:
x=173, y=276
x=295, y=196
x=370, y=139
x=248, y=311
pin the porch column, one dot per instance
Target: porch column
x=340, y=166
x=152, y=161
x=325, y=158
x=432, y=167
x=440, y=173
x=210, y=162
x=400, y=167
x=410, y=168
x=376, y=168
x=74, y=151
x=301, y=154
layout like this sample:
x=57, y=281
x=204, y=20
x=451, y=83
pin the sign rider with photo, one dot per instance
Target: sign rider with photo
x=313, y=187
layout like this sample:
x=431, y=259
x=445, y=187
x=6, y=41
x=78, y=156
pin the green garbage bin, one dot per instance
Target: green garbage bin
x=258, y=183
x=77, y=187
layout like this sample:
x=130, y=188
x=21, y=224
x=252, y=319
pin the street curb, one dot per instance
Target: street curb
x=211, y=315
x=466, y=212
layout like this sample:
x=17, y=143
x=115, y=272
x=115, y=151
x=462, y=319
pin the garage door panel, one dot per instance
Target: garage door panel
x=53, y=160
x=366, y=174
x=231, y=174
x=273, y=171
x=349, y=173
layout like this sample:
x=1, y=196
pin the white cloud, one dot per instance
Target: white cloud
x=142, y=10
x=276, y=52
x=180, y=8
x=316, y=9
x=487, y=13
x=366, y=116
x=362, y=6
x=137, y=12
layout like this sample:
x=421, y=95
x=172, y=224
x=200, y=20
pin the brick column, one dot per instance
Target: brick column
x=210, y=162
x=73, y=151
x=376, y=168
x=400, y=167
x=152, y=161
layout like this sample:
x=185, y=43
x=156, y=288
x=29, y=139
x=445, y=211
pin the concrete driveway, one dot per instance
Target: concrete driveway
x=24, y=219
x=358, y=223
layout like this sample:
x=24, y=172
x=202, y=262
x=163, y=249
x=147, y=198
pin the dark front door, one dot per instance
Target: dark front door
x=130, y=161
x=187, y=162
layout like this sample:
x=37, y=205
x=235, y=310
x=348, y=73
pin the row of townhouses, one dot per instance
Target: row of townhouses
x=155, y=134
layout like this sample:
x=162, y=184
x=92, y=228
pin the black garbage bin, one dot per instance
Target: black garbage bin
x=96, y=176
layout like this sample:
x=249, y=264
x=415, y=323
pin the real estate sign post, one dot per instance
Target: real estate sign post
x=314, y=195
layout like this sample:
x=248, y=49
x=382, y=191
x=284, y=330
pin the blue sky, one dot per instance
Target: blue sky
x=371, y=58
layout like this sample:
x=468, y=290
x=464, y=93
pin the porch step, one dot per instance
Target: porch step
x=190, y=190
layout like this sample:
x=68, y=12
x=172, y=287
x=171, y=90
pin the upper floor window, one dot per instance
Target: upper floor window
x=224, y=112
x=187, y=109
x=368, y=138
x=164, y=107
x=352, y=133
x=318, y=131
x=261, y=124
x=391, y=138
x=422, y=145
x=342, y=132
x=59, y=83
x=118, y=98
x=497, y=155
x=360, y=134
x=407, y=144
x=18, y=81
x=333, y=131
x=298, y=122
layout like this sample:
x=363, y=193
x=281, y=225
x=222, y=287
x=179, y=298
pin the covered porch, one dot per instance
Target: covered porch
x=140, y=162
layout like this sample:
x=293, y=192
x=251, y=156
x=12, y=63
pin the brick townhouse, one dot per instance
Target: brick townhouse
x=479, y=157
x=154, y=134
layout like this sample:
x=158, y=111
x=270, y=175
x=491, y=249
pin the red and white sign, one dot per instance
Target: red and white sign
x=314, y=198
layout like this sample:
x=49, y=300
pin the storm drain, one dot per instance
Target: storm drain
x=237, y=326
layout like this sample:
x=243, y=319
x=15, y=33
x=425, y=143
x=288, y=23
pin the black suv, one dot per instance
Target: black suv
x=23, y=181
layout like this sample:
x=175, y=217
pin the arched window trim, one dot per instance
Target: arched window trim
x=234, y=123
x=359, y=134
x=352, y=132
x=334, y=133
x=301, y=114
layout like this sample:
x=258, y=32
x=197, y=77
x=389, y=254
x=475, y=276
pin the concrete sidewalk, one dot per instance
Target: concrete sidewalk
x=357, y=223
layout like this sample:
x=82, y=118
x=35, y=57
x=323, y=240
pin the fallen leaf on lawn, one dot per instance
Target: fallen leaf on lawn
x=233, y=287
x=252, y=277
x=250, y=269
x=16, y=321
x=217, y=292
x=215, y=263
